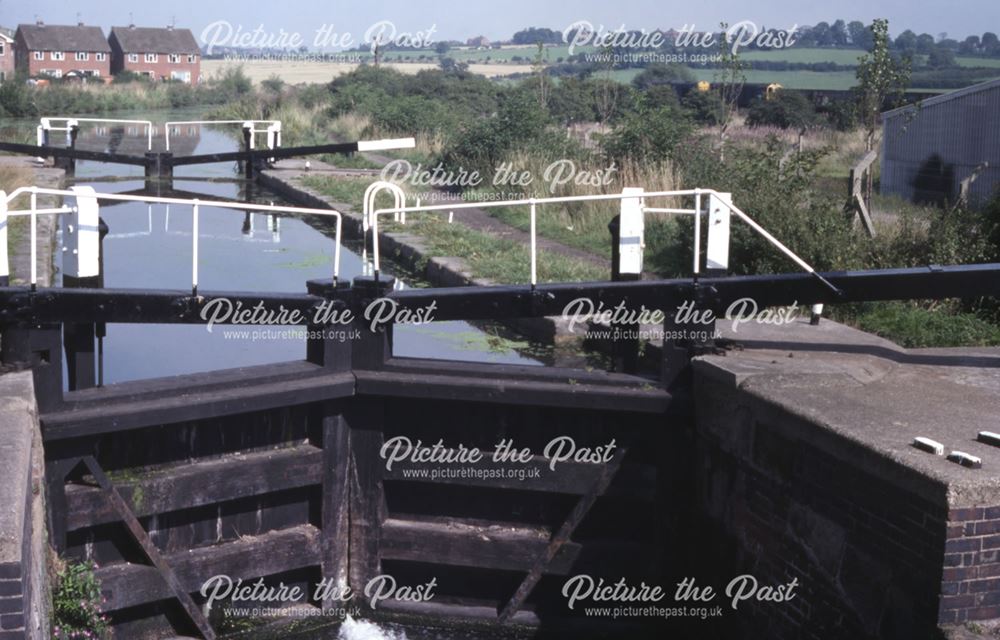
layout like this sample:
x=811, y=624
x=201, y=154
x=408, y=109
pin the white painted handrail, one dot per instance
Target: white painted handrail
x=46, y=124
x=533, y=204
x=195, y=204
x=272, y=129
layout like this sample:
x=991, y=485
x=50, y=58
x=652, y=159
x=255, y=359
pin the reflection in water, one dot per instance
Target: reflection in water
x=150, y=246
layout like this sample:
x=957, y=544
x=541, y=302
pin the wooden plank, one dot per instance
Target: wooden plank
x=466, y=543
x=367, y=493
x=511, y=391
x=152, y=553
x=440, y=610
x=635, y=481
x=196, y=484
x=127, y=585
x=199, y=405
x=133, y=390
x=562, y=536
x=865, y=217
x=336, y=500
x=55, y=482
x=65, y=152
x=513, y=371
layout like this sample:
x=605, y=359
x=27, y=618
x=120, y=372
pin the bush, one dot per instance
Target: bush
x=786, y=109
x=777, y=192
x=76, y=598
x=519, y=123
x=648, y=135
x=657, y=74
x=16, y=98
x=705, y=107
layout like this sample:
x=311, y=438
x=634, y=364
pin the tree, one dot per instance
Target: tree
x=906, y=41
x=925, y=43
x=787, y=109
x=990, y=44
x=534, y=35
x=650, y=135
x=538, y=69
x=657, y=74
x=879, y=76
x=821, y=33
x=969, y=46
x=730, y=80
x=941, y=58
x=838, y=33
x=860, y=35
x=442, y=48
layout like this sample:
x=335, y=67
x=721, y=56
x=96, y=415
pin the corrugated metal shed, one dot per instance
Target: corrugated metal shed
x=929, y=148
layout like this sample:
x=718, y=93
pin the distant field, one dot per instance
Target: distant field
x=991, y=63
x=807, y=56
x=317, y=72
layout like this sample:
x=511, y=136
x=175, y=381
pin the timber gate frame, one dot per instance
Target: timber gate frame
x=345, y=387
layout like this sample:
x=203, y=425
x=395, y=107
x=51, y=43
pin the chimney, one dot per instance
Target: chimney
x=80, y=23
x=170, y=27
x=39, y=23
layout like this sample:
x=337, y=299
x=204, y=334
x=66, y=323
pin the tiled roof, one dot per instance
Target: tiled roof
x=54, y=37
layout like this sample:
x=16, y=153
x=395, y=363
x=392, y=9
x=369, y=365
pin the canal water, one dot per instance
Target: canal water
x=149, y=246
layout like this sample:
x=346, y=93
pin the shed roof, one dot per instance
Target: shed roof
x=155, y=40
x=945, y=97
x=54, y=37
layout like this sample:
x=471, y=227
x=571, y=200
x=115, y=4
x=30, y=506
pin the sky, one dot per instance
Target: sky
x=447, y=20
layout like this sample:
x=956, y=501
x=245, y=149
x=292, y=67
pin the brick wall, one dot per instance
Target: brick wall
x=7, y=60
x=161, y=69
x=970, y=588
x=867, y=539
x=26, y=61
x=23, y=588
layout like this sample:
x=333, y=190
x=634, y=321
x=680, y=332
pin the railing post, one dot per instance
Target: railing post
x=81, y=269
x=372, y=346
x=627, y=234
x=333, y=349
x=717, y=254
x=248, y=147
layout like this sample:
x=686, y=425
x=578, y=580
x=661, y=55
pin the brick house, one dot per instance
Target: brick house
x=6, y=55
x=160, y=53
x=62, y=51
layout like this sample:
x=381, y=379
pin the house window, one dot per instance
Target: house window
x=133, y=57
x=101, y=57
x=151, y=57
x=82, y=56
x=192, y=58
x=58, y=55
x=55, y=73
x=1, y=47
x=39, y=55
x=174, y=58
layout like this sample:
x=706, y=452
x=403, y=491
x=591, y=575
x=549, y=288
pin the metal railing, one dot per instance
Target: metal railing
x=533, y=204
x=272, y=128
x=46, y=125
x=86, y=196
